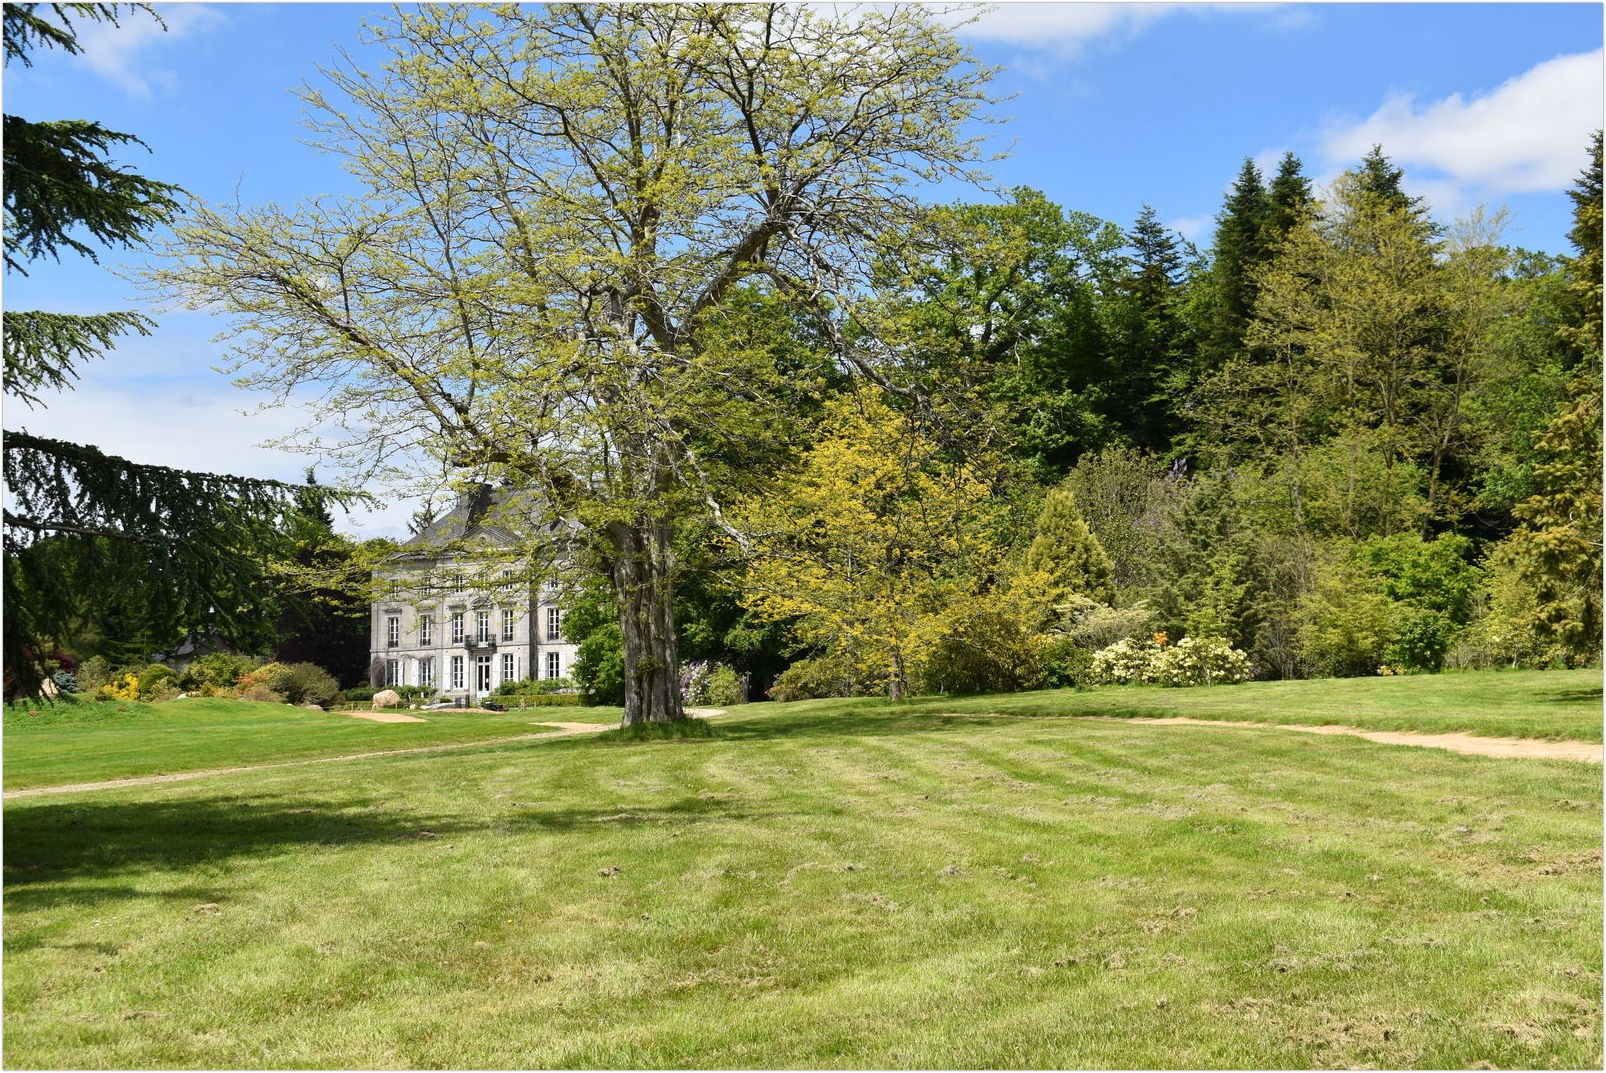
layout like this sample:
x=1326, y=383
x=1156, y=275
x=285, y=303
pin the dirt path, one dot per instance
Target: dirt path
x=1471, y=744
x=560, y=730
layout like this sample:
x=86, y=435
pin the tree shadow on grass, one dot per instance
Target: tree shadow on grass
x=1571, y=696
x=84, y=852
x=687, y=812
x=747, y=723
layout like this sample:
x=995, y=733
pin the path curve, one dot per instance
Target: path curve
x=563, y=730
x=1470, y=744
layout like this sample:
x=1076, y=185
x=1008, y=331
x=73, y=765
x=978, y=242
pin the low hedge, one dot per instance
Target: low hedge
x=538, y=700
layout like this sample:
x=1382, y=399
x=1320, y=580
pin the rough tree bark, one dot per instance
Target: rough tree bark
x=641, y=566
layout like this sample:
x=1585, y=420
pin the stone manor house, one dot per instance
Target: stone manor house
x=452, y=612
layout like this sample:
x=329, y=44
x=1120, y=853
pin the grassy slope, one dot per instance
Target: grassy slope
x=86, y=742
x=809, y=889
x=1525, y=704
x=90, y=742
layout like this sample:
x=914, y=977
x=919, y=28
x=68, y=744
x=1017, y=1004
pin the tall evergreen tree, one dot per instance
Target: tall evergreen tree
x=176, y=550
x=1240, y=246
x=1377, y=175
x=322, y=594
x=1150, y=346
x=1288, y=200
x=1583, y=330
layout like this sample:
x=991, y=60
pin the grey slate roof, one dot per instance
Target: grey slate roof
x=485, y=514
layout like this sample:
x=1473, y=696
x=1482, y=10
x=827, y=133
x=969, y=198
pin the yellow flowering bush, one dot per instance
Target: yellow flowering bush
x=125, y=689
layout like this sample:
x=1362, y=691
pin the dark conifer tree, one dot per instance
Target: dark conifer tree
x=1378, y=175
x=323, y=595
x=1240, y=245
x=1582, y=334
x=1288, y=199
x=177, y=551
x=1149, y=339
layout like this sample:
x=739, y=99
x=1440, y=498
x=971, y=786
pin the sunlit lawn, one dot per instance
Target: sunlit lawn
x=825, y=884
x=53, y=744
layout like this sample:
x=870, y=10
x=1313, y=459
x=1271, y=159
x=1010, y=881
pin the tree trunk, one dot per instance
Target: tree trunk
x=895, y=686
x=642, y=569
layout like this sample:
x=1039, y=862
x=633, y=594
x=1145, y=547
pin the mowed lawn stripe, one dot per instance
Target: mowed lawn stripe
x=1065, y=893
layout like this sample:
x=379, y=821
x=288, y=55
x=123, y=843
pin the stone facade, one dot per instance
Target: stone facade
x=452, y=615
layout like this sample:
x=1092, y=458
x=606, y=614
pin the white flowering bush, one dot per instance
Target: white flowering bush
x=1126, y=662
x=1201, y=662
x=1190, y=662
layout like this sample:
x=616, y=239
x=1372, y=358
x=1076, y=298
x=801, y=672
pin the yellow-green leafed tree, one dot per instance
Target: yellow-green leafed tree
x=566, y=207
x=875, y=540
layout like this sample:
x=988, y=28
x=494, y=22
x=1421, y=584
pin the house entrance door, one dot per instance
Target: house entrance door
x=482, y=675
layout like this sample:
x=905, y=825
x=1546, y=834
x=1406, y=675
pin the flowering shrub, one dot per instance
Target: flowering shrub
x=127, y=689
x=1126, y=662
x=1189, y=662
x=1201, y=662
x=694, y=681
x=706, y=682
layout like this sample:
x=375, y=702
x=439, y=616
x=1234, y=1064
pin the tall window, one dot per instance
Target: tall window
x=395, y=586
x=508, y=619
x=459, y=582
x=426, y=584
x=426, y=672
x=392, y=631
x=554, y=665
x=457, y=628
x=554, y=625
x=482, y=627
x=426, y=632
x=393, y=672
x=457, y=672
x=508, y=670
x=508, y=584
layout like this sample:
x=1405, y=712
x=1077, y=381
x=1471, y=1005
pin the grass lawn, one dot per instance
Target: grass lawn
x=1514, y=704
x=819, y=886
x=90, y=741
x=48, y=745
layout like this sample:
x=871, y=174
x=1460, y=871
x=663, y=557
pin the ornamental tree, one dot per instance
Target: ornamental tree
x=566, y=212
x=873, y=543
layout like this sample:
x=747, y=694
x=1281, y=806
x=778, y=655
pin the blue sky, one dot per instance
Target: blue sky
x=1113, y=106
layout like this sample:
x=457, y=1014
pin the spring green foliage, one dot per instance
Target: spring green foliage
x=1065, y=550
x=875, y=542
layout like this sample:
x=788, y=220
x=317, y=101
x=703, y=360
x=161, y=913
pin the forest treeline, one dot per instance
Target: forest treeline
x=1344, y=440
x=797, y=421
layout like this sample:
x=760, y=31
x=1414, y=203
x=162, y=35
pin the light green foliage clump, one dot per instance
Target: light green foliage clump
x=1065, y=549
x=1389, y=604
x=874, y=542
x=218, y=672
x=297, y=683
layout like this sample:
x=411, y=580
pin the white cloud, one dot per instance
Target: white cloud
x=1066, y=28
x=1063, y=28
x=1529, y=134
x=1192, y=227
x=122, y=54
x=150, y=421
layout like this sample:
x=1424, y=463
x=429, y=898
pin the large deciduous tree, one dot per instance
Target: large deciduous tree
x=560, y=205
x=87, y=532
